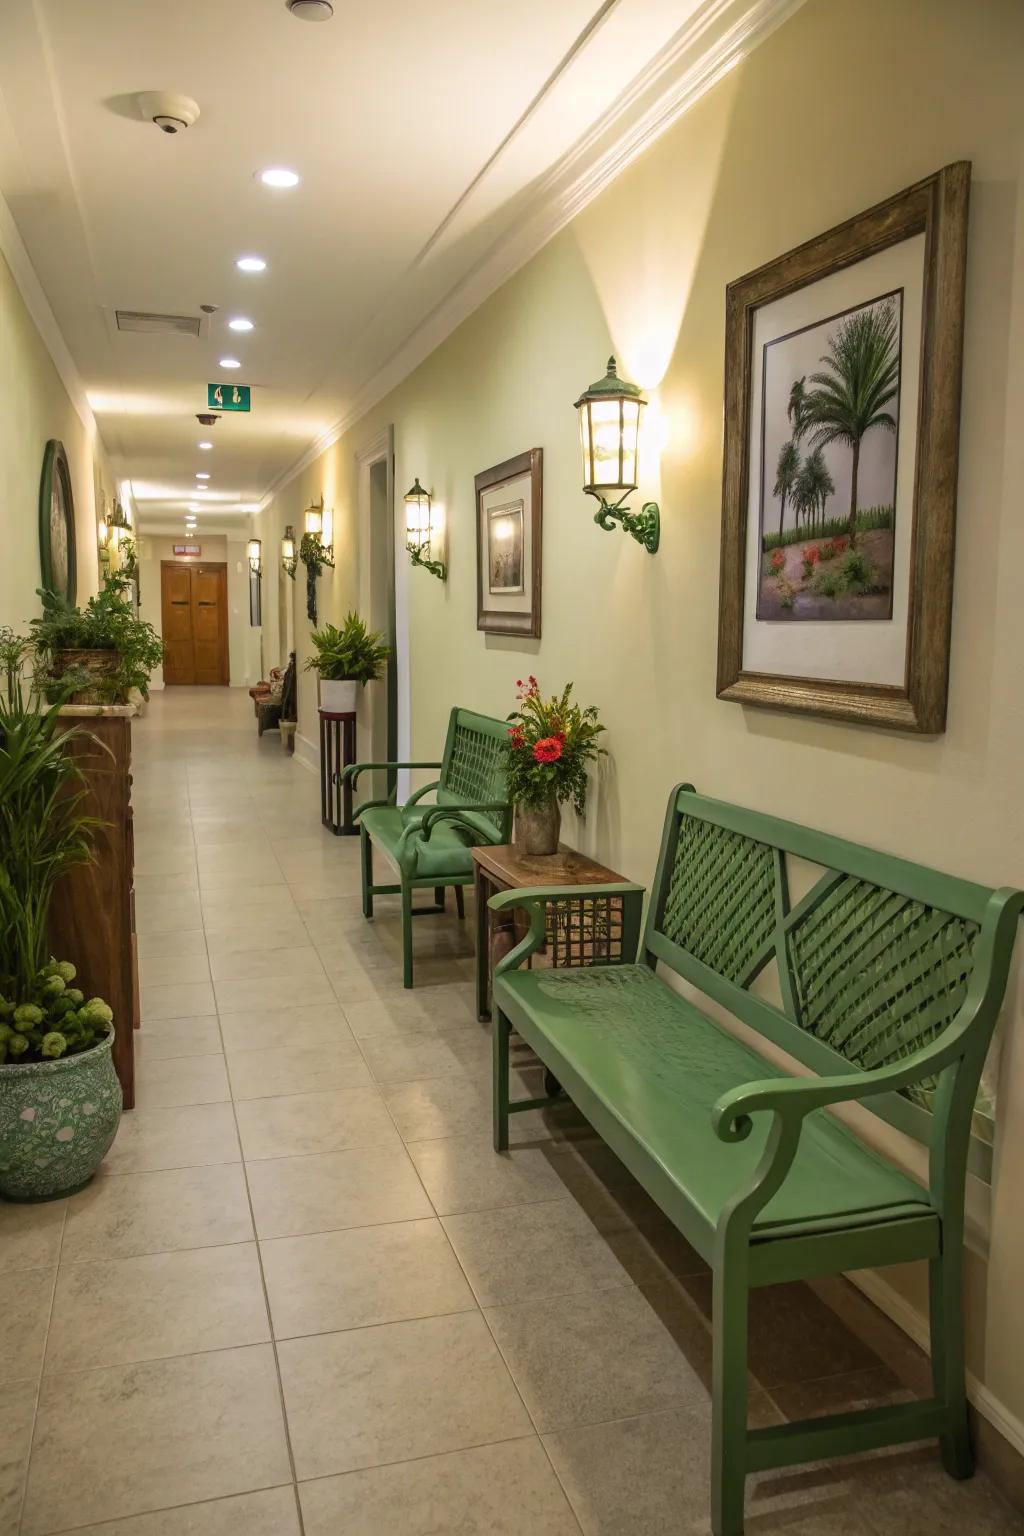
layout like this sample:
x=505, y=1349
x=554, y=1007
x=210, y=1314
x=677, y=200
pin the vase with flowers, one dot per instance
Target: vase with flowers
x=551, y=743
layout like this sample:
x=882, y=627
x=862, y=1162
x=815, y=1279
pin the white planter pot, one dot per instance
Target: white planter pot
x=340, y=696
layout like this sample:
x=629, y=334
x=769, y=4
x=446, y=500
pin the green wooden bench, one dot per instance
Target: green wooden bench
x=884, y=980
x=430, y=843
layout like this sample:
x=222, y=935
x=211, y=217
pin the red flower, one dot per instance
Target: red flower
x=812, y=554
x=548, y=750
x=516, y=737
x=778, y=560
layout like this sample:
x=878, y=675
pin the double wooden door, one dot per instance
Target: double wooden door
x=195, y=622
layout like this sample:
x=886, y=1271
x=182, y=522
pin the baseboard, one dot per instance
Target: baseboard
x=907, y=1317
x=307, y=752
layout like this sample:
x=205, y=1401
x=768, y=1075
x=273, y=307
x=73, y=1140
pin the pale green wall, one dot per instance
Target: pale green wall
x=34, y=406
x=848, y=102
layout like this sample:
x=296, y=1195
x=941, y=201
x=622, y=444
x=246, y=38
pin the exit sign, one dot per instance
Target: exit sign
x=228, y=397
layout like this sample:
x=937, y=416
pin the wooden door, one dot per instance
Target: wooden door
x=195, y=623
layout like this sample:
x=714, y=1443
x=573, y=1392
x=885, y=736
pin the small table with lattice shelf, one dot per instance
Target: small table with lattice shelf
x=337, y=751
x=579, y=932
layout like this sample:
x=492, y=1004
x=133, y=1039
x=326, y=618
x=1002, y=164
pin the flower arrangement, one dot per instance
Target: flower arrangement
x=551, y=742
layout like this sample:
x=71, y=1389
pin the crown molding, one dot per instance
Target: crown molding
x=714, y=40
x=13, y=250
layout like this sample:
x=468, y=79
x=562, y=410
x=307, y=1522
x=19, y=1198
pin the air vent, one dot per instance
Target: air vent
x=136, y=320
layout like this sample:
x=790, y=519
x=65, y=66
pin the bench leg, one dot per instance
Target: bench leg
x=460, y=901
x=502, y=1031
x=366, y=859
x=729, y=1398
x=945, y=1286
x=406, y=935
x=439, y=896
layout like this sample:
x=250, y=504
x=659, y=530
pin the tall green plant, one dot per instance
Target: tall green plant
x=106, y=623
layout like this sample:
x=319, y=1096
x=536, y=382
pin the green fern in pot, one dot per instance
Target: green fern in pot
x=345, y=659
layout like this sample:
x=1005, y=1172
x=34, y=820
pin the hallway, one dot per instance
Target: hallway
x=329, y=1307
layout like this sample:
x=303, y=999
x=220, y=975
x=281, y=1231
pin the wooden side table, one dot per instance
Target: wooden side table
x=337, y=751
x=577, y=934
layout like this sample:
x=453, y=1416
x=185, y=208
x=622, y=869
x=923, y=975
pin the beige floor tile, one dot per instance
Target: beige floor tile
x=178, y=1037
x=248, y=1030
x=294, y=1195
x=176, y=1304
x=440, y=1010
x=23, y=1322
x=906, y=1492
x=464, y=1173
x=491, y=1490
x=309, y=885
x=225, y=910
x=376, y=1395
x=30, y=1235
x=270, y=1513
x=177, y=1000
x=120, y=1215
x=163, y=914
x=292, y=1068
x=172, y=942
x=249, y=964
x=124, y=1440
x=165, y=970
x=403, y=1058
x=269, y=992
x=527, y=1252
x=17, y=1414
x=184, y=1137
x=461, y=1106
x=259, y=933
x=300, y=1123
x=336, y=1280
x=600, y=1355
x=179, y=1080
x=163, y=885
x=170, y=861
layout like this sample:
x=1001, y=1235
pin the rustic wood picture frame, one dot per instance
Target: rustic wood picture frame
x=502, y=621
x=936, y=207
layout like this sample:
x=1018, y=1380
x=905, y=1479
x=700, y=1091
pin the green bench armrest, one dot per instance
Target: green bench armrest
x=355, y=769
x=457, y=813
x=424, y=789
x=535, y=899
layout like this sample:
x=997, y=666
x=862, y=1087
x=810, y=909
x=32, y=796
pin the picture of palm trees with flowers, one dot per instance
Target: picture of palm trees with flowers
x=829, y=429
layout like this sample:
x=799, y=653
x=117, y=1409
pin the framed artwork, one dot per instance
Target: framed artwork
x=842, y=419
x=57, y=524
x=509, y=506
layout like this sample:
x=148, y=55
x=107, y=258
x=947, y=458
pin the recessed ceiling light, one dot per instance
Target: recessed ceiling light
x=251, y=264
x=201, y=475
x=206, y=446
x=311, y=10
x=240, y=323
x=229, y=362
x=278, y=176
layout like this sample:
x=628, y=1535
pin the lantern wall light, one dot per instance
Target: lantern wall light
x=254, y=551
x=421, y=530
x=316, y=550
x=609, y=417
x=289, y=559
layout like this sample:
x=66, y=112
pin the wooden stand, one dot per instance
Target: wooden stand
x=337, y=751
x=92, y=917
x=591, y=927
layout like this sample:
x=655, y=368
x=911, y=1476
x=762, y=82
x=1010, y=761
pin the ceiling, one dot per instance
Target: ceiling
x=438, y=143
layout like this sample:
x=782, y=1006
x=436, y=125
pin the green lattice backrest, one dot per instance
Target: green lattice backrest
x=871, y=964
x=473, y=770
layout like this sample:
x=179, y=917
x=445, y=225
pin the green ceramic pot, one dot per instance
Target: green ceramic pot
x=57, y=1121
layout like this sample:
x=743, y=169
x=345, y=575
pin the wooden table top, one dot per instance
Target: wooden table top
x=510, y=867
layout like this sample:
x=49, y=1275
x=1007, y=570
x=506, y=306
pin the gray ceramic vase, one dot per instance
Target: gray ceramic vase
x=537, y=828
x=57, y=1121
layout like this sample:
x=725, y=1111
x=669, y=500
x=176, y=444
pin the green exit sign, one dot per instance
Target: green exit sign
x=228, y=397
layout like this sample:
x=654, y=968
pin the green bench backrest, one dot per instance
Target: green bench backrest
x=473, y=769
x=874, y=962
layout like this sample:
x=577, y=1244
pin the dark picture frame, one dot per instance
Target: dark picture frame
x=57, y=517
x=936, y=208
x=514, y=477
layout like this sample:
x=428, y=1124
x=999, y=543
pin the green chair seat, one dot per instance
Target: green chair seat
x=634, y=1050
x=446, y=852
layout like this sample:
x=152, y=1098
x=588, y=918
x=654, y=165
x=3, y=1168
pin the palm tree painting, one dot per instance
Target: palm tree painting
x=830, y=396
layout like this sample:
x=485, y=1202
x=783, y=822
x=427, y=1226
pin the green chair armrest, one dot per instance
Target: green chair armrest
x=457, y=813
x=424, y=789
x=355, y=769
x=535, y=898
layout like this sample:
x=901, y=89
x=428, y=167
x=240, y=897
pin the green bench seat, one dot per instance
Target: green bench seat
x=882, y=981
x=430, y=843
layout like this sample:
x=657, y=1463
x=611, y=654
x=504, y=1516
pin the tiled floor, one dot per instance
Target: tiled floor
x=305, y=1295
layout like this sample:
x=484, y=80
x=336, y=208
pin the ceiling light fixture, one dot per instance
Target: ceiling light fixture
x=311, y=10
x=206, y=447
x=251, y=264
x=229, y=362
x=240, y=323
x=201, y=474
x=278, y=176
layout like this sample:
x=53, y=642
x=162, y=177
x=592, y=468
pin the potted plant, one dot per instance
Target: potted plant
x=550, y=744
x=346, y=658
x=60, y=1100
x=96, y=654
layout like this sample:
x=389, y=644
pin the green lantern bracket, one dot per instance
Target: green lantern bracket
x=644, y=526
x=418, y=556
x=609, y=419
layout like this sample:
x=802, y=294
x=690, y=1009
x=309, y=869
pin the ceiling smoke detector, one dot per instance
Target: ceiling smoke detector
x=170, y=112
x=311, y=10
x=207, y=419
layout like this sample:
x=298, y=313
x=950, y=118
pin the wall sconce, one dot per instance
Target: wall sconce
x=609, y=428
x=289, y=559
x=103, y=537
x=419, y=530
x=314, y=553
x=254, y=551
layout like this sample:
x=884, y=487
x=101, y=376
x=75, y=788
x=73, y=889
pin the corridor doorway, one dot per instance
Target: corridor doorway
x=194, y=609
x=382, y=724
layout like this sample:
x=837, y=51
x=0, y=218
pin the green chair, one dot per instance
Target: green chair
x=430, y=843
x=884, y=980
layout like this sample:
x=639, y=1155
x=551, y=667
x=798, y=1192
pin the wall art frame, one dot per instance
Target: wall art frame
x=509, y=545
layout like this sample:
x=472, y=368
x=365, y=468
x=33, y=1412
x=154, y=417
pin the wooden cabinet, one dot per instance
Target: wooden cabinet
x=92, y=917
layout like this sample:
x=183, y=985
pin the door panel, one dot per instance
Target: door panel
x=209, y=625
x=176, y=601
x=195, y=624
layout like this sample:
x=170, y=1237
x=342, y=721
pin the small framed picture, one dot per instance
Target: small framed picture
x=842, y=420
x=509, y=509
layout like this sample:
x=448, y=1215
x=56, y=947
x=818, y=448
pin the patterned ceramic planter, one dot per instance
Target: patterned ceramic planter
x=57, y=1120
x=537, y=828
